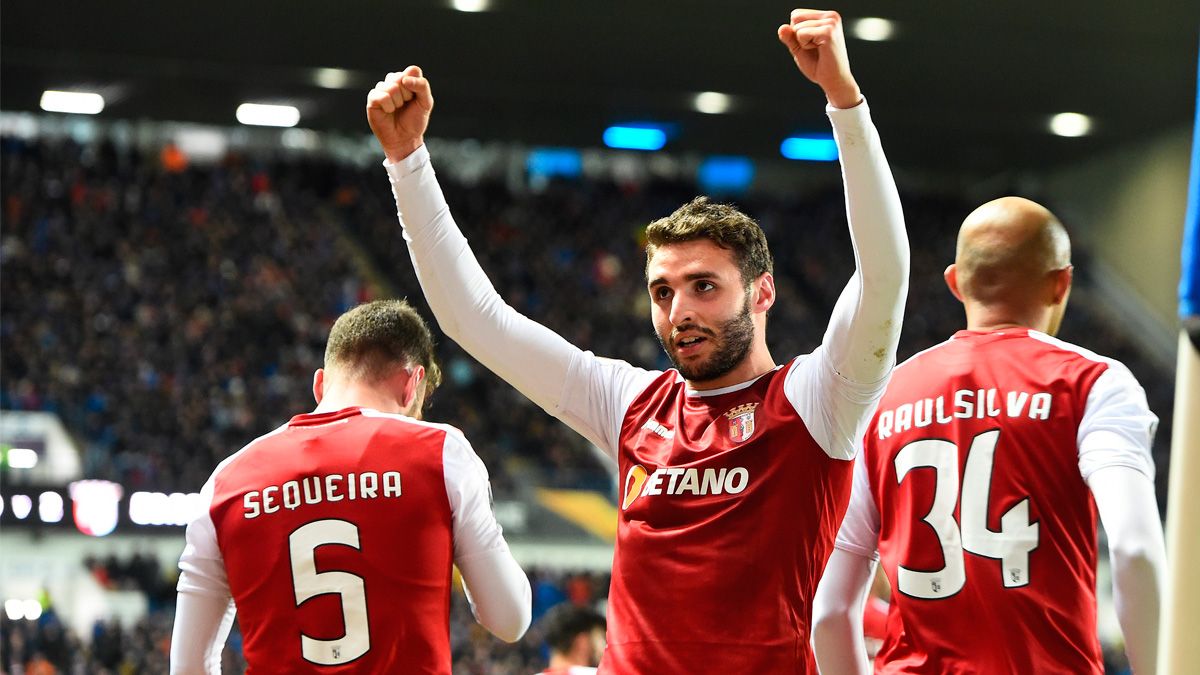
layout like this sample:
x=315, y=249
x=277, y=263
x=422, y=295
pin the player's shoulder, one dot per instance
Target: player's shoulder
x=924, y=356
x=456, y=449
x=1058, y=344
x=1110, y=370
x=655, y=384
x=249, y=450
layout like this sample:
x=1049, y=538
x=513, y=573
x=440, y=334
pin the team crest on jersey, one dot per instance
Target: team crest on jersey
x=741, y=422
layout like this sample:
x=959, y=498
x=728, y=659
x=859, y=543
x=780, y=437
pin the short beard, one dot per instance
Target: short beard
x=733, y=337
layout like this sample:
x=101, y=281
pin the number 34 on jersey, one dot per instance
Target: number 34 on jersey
x=1010, y=545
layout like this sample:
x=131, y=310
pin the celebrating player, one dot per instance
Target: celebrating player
x=981, y=476
x=734, y=471
x=334, y=534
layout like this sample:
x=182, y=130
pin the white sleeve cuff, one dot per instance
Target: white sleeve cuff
x=859, y=115
x=407, y=166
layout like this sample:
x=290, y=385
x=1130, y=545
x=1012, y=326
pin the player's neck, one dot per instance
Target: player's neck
x=987, y=320
x=359, y=396
x=560, y=663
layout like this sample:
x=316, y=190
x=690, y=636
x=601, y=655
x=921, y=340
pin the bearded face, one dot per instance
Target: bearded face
x=708, y=319
x=727, y=345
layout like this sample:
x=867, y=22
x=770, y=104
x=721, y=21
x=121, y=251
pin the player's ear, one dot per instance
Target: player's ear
x=319, y=385
x=763, y=297
x=414, y=389
x=951, y=277
x=1062, y=283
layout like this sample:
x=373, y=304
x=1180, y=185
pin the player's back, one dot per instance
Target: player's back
x=336, y=534
x=987, y=527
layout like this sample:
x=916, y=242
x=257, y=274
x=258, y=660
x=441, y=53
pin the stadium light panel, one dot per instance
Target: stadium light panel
x=1070, y=125
x=548, y=162
x=873, y=29
x=22, y=458
x=21, y=506
x=471, y=5
x=157, y=508
x=712, y=102
x=812, y=148
x=33, y=609
x=635, y=137
x=14, y=609
x=300, y=139
x=332, y=78
x=50, y=507
x=74, y=102
x=266, y=115
x=726, y=174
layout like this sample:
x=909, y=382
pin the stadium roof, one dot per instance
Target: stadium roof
x=963, y=86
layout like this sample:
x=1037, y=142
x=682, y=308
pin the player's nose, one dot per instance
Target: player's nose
x=681, y=311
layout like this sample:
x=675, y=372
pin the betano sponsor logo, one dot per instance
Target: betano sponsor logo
x=675, y=480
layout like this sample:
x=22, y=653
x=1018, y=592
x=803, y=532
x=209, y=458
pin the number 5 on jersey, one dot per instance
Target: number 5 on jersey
x=309, y=583
x=1011, y=545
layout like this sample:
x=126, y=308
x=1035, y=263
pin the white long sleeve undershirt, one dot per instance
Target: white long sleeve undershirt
x=835, y=393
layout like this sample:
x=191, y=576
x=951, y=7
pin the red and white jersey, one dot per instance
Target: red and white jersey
x=972, y=483
x=337, y=532
x=728, y=509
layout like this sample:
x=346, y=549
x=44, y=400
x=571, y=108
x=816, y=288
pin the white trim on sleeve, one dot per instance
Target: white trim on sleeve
x=859, y=533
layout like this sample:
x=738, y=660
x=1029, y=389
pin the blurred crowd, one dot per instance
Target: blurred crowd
x=169, y=313
x=139, y=572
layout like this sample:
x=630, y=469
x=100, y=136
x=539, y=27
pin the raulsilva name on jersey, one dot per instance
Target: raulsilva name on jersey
x=965, y=404
x=311, y=490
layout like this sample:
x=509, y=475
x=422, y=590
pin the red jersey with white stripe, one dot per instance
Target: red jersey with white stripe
x=336, y=534
x=727, y=517
x=976, y=463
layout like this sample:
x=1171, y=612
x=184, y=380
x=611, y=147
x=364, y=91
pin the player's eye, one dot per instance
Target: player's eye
x=705, y=286
x=660, y=292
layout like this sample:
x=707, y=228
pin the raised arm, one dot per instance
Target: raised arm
x=865, y=327
x=529, y=356
x=836, y=392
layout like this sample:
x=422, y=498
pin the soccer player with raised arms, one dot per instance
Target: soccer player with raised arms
x=735, y=469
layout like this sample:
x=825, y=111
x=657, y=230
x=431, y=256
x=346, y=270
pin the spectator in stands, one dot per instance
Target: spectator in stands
x=575, y=636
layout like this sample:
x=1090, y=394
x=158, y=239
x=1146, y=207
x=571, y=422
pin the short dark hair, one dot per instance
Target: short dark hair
x=566, y=621
x=723, y=225
x=372, y=340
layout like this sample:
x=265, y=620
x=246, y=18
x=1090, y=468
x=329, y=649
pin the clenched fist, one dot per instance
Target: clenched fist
x=815, y=39
x=398, y=111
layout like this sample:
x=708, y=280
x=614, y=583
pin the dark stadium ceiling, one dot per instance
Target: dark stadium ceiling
x=963, y=87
